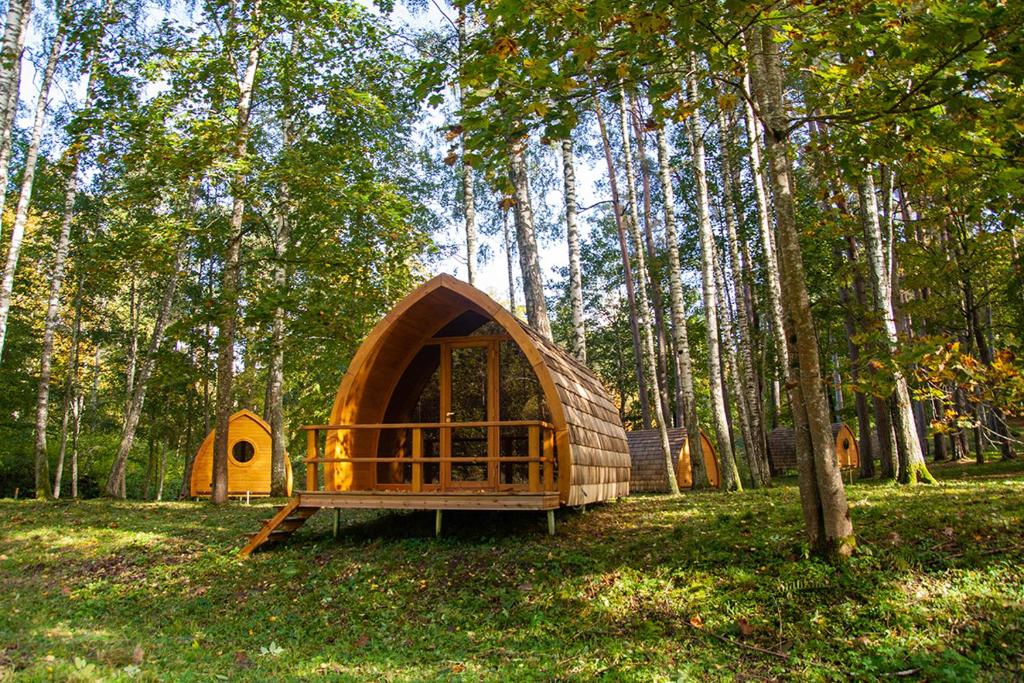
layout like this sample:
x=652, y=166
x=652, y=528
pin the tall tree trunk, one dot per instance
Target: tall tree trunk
x=730, y=475
x=657, y=296
x=572, y=233
x=9, y=94
x=731, y=373
x=749, y=394
x=509, y=247
x=680, y=336
x=230, y=275
x=134, y=300
x=70, y=390
x=627, y=270
x=76, y=425
x=27, y=181
x=116, y=481
x=282, y=241
x=60, y=252
x=162, y=475
x=468, y=203
x=526, y=238
x=912, y=468
x=823, y=497
x=643, y=304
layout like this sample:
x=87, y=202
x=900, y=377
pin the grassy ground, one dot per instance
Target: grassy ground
x=705, y=586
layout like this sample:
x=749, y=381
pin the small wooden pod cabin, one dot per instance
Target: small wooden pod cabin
x=452, y=402
x=782, y=448
x=249, y=451
x=647, y=465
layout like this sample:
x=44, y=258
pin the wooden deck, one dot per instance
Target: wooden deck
x=430, y=500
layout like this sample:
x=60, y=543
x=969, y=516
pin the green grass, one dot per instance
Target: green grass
x=648, y=588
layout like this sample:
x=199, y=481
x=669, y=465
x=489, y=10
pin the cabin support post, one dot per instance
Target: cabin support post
x=337, y=522
x=437, y=524
x=311, y=464
x=551, y=522
x=417, y=453
x=549, y=460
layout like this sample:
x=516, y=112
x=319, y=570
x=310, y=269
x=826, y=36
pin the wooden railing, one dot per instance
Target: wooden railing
x=540, y=460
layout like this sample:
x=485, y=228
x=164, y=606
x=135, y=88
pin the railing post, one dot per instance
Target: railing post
x=417, y=454
x=534, y=466
x=312, y=480
x=549, y=459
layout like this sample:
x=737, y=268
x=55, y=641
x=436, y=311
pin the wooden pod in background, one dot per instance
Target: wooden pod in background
x=249, y=454
x=782, y=447
x=647, y=465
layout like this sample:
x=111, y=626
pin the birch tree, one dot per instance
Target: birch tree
x=643, y=304
x=730, y=475
x=680, y=335
x=28, y=180
x=572, y=234
x=232, y=253
x=526, y=239
x=912, y=467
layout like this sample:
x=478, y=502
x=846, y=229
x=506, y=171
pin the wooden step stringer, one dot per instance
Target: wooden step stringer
x=283, y=524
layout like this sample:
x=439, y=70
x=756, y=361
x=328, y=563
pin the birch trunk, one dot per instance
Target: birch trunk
x=572, y=233
x=116, y=481
x=730, y=475
x=627, y=271
x=282, y=241
x=526, y=239
x=643, y=305
x=823, y=497
x=60, y=253
x=15, y=26
x=28, y=179
x=229, y=277
x=657, y=296
x=679, y=332
x=133, y=345
x=731, y=372
x=70, y=385
x=9, y=97
x=748, y=392
x=509, y=261
x=76, y=425
x=912, y=467
x=468, y=203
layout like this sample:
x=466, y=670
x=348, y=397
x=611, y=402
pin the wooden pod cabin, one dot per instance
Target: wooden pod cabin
x=782, y=448
x=452, y=402
x=249, y=451
x=647, y=464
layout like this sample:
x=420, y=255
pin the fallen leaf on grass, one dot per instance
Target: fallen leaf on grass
x=746, y=630
x=242, y=660
x=696, y=621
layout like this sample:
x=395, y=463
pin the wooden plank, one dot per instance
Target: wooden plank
x=311, y=465
x=534, y=466
x=417, y=455
x=430, y=425
x=395, y=500
x=549, y=459
x=263, y=534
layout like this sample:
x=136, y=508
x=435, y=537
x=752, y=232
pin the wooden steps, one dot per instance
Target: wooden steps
x=283, y=524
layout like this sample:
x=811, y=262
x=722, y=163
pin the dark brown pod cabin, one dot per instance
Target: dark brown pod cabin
x=452, y=402
x=647, y=464
x=782, y=448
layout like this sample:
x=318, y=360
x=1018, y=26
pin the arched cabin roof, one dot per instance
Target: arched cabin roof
x=648, y=461
x=591, y=441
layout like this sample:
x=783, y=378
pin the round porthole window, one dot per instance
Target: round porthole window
x=243, y=451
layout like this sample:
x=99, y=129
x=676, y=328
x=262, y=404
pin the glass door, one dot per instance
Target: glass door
x=469, y=394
